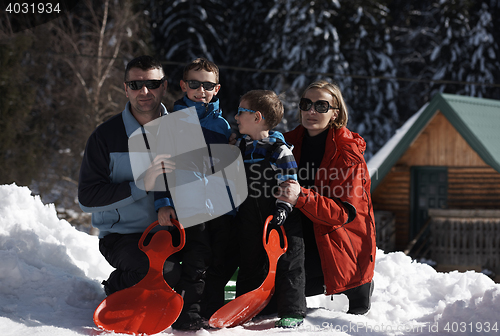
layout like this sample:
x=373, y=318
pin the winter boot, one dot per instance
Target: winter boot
x=290, y=321
x=360, y=298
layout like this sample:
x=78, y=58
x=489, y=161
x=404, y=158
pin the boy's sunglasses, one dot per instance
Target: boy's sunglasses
x=321, y=106
x=150, y=84
x=194, y=84
x=241, y=110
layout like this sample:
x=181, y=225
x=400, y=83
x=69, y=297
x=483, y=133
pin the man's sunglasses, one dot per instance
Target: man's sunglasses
x=321, y=106
x=194, y=84
x=150, y=84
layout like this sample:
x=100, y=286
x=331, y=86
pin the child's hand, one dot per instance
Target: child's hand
x=160, y=165
x=232, y=139
x=164, y=215
x=281, y=213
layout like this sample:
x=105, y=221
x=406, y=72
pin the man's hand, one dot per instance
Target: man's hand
x=164, y=216
x=161, y=164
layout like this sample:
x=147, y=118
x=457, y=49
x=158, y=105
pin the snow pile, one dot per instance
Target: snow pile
x=50, y=277
x=47, y=267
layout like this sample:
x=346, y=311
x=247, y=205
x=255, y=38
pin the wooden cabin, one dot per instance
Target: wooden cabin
x=436, y=183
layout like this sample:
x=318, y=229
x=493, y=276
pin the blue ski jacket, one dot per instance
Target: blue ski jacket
x=215, y=128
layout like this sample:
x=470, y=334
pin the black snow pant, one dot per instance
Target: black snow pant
x=222, y=233
x=195, y=257
x=130, y=263
x=289, y=295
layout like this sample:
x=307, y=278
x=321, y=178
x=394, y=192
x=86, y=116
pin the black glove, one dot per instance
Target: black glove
x=281, y=213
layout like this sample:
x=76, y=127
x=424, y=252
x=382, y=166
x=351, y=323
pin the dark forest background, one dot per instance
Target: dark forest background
x=61, y=79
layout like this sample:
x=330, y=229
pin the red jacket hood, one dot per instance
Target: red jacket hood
x=351, y=145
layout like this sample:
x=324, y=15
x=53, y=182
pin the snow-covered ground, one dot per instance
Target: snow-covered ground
x=50, y=277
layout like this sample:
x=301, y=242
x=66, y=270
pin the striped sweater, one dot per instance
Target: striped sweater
x=281, y=158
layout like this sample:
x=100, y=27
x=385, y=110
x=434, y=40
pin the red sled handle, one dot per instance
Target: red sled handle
x=265, y=238
x=167, y=238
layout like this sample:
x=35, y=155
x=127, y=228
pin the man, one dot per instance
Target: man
x=121, y=209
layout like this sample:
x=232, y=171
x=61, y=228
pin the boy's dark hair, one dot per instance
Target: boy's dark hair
x=145, y=63
x=266, y=102
x=201, y=64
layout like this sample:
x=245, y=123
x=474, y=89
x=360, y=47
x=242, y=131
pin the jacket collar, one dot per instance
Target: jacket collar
x=274, y=137
x=350, y=145
x=131, y=124
x=204, y=110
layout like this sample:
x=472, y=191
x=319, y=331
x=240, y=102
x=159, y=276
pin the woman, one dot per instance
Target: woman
x=333, y=195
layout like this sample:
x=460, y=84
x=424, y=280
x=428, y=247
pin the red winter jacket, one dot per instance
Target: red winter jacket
x=347, y=251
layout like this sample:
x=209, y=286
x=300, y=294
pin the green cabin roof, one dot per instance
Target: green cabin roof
x=476, y=119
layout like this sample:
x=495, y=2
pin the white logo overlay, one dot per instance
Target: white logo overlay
x=208, y=181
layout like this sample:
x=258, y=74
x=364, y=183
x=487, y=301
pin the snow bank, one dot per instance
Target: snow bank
x=50, y=277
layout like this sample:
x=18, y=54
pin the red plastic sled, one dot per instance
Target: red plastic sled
x=246, y=306
x=151, y=305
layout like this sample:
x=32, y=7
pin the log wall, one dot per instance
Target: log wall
x=472, y=184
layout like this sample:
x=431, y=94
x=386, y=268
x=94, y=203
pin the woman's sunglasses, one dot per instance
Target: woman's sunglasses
x=321, y=106
x=194, y=84
x=150, y=84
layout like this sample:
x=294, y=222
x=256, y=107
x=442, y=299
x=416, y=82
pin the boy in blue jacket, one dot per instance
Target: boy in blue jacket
x=200, y=83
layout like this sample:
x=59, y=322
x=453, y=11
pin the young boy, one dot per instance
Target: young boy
x=200, y=83
x=268, y=162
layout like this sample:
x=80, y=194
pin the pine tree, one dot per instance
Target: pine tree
x=484, y=49
x=293, y=42
x=248, y=32
x=372, y=91
x=413, y=37
x=388, y=56
x=304, y=41
x=450, y=59
x=186, y=30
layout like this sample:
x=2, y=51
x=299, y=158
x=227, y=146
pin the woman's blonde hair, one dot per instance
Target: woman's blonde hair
x=334, y=90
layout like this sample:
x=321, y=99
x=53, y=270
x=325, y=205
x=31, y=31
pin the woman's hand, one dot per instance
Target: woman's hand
x=288, y=191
